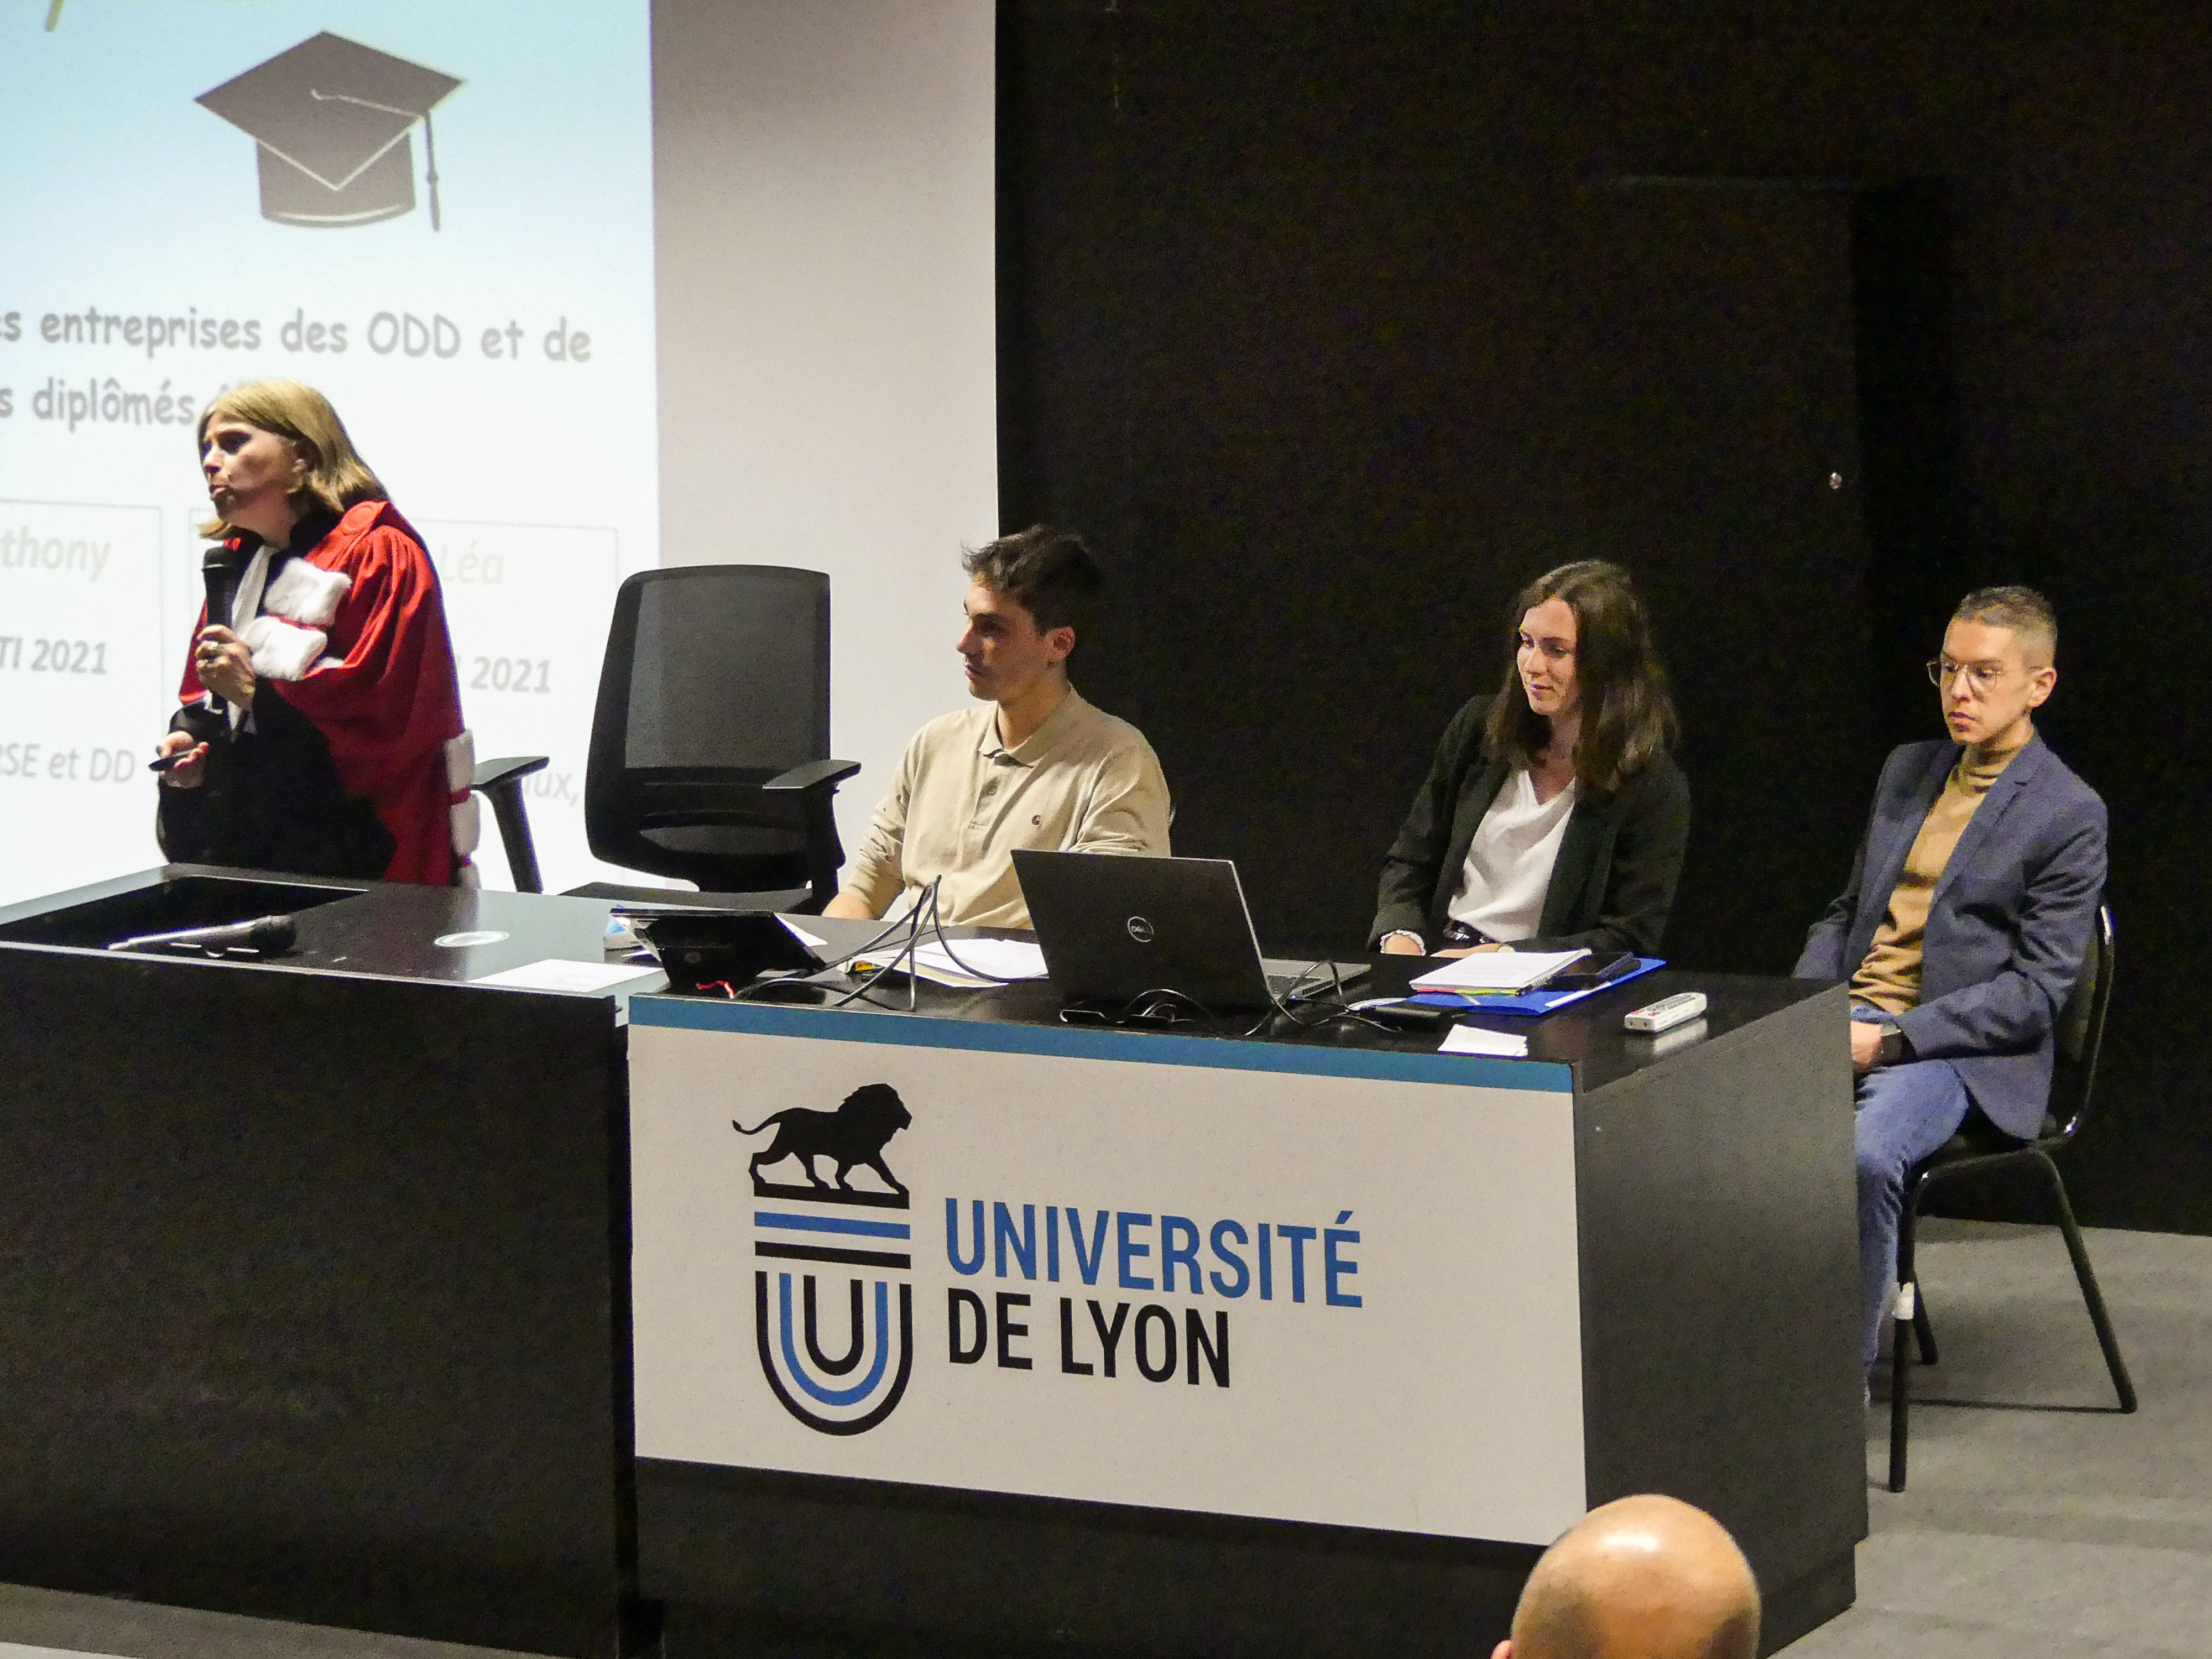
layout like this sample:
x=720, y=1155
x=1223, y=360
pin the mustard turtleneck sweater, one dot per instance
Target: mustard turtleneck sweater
x=1889, y=978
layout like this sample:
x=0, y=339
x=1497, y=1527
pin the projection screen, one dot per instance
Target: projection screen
x=444, y=216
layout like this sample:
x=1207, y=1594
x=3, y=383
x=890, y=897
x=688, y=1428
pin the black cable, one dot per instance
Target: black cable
x=912, y=922
x=925, y=917
x=890, y=927
x=1333, y=1012
x=1138, y=1010
x=944, y=944
x=1143, y=1007
x=744, y=992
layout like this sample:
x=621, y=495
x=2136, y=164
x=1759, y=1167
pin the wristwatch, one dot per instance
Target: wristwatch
x=1892, y=1047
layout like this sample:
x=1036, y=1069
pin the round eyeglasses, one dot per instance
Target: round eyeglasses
x=1981, y=677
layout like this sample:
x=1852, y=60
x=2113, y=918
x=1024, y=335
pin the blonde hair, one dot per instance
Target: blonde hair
x=336, y=476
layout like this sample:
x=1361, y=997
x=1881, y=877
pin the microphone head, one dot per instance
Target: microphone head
x=273, y=936
x=221, y=566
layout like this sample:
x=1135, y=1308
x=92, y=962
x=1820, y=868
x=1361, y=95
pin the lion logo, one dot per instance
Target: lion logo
x=852, y=1136
x=812, y=1241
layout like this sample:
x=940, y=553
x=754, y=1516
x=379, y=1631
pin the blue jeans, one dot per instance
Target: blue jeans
x=1905, y=1113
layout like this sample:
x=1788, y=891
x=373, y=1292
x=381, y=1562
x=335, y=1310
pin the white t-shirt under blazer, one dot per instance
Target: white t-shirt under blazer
x=1509, y=863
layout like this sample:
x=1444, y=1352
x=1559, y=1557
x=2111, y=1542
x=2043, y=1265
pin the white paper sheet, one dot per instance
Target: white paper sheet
x=553, y=974
x=1474, y=1040
x=1497, y=970
x=1002, y=959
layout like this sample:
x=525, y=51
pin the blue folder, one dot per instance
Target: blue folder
x=1526, y=1002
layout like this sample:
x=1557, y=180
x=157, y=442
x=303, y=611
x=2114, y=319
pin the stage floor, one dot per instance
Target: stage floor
x=2039, y=1523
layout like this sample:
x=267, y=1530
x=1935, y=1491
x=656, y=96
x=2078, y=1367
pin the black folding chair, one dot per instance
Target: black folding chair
x=1980, y=1146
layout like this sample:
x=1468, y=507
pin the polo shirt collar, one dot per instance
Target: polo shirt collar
x=1039, y=742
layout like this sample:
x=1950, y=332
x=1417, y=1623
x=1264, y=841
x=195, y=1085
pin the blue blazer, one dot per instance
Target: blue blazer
x=2008, y=926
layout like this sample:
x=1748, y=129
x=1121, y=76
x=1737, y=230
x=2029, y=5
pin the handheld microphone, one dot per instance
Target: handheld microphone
x=220, y=569
x=270, y=936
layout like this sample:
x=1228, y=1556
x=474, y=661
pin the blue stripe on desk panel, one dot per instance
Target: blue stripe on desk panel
x=831, y=1224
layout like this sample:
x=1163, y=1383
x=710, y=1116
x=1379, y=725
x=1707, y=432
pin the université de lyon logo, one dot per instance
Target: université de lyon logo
x=812, y=1220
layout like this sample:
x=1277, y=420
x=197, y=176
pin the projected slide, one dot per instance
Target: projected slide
x=441, y=214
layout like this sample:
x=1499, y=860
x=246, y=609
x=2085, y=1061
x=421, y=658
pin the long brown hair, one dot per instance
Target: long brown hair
x=336, y=476
x=1627, y=715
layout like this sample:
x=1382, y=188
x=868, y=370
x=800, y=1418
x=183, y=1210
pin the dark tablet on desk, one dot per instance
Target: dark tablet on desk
x=700, y=950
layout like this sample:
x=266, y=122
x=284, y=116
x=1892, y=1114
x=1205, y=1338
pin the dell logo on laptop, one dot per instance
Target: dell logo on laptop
x=1140, y=930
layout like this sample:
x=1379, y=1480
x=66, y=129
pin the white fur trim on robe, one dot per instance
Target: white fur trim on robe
x=468, y=827
x=246, y=603
x=461, y=762
x=306, y=593
x=281, y=650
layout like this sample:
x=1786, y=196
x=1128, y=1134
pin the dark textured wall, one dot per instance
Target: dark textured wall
x=1301, y=308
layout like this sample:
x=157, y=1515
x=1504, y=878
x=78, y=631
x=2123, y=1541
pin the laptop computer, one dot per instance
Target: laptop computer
x=1115, y=928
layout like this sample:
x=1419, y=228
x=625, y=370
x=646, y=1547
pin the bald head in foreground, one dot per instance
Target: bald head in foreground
x=1639, y=1578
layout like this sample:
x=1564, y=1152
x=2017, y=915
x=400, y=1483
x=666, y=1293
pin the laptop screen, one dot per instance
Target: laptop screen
x=1115, y=928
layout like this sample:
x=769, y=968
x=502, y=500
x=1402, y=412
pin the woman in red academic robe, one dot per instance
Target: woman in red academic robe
x=341, y=749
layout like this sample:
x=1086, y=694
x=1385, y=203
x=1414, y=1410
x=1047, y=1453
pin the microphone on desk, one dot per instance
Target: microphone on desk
x=270, y=936
x=220, y=570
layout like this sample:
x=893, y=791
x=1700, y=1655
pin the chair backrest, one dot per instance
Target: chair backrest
x=2080, y=1031
x=716, y=679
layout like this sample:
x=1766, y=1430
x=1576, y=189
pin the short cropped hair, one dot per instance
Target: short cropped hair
x=1628, y=715
x=337, y=477
x=2022, y=609
x=1050, y=572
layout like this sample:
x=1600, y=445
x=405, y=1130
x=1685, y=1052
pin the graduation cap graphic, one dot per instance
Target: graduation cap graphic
x=329, y=118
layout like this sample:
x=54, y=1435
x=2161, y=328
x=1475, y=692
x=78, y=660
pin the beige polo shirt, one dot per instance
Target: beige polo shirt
x=1082, y=782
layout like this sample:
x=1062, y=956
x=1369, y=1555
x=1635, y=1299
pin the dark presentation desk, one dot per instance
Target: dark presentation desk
x=316, y=1301
x=310, y=1297
x=1189, y=1344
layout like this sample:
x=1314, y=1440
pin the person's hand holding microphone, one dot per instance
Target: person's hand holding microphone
x=223, y=664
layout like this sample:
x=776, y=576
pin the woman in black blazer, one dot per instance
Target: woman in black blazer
x=1552, y=816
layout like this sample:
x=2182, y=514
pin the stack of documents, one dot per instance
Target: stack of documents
x=965, y=964
x=1498, y=970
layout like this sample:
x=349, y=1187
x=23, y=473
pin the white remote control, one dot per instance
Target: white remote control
x=1667, y=1013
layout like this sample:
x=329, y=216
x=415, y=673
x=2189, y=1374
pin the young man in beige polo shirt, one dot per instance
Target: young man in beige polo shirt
x=1035, y=766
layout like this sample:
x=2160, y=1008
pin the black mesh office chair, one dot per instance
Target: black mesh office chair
x=1979, y=1146
x=709, y=741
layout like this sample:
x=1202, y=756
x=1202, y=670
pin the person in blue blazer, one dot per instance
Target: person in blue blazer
x=1968, y=912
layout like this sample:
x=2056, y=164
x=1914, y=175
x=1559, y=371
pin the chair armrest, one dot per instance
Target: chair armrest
x=492, y=772
x=500, y=781
x=822, y=775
